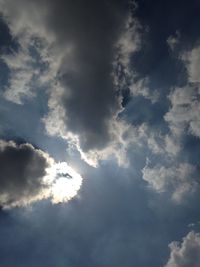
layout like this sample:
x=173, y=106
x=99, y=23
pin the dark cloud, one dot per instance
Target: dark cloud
x=22, y=172
x=85, y=36
x=90, y=101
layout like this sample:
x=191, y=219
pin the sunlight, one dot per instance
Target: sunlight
x=65, y=184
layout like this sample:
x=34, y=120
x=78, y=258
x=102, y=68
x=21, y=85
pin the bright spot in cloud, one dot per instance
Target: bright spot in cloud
x=65, y=182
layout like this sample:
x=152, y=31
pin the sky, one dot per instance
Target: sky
x=99, y=133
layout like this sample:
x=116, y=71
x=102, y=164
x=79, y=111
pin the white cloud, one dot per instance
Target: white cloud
x=187, y=253
x=178, y=180
x=183, y=116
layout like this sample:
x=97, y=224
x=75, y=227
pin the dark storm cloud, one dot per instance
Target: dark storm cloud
x=22, y=171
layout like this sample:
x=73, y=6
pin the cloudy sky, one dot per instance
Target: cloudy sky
x=99, y=133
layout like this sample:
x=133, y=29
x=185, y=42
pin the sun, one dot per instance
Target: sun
x=65, y=182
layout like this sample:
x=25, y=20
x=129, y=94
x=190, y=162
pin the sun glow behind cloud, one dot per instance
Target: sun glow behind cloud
x=64, y=182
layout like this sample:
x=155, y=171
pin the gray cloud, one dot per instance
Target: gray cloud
x=187, y=253
x=81, y=53
x=90, y=100
x=22, y=174
x=192, y=61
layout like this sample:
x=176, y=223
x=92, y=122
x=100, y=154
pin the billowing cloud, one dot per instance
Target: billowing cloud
x=179, y=180
x=29, y=174
x=187, y=253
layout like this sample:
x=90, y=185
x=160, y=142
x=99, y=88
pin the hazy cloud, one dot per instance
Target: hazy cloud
x=173, y=40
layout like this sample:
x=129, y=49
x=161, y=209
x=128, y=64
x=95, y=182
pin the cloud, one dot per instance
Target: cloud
x=90, y=102
x=30, y=68
x=187, y=253
x=141, y=87
x=84, y=99
x=192, y=62
x=183, y=116
x=128, y=42
x=178, y=180
x=29, y=174
x=103, y=227
x=173, y=40
x=23, y=169
x=21, y=76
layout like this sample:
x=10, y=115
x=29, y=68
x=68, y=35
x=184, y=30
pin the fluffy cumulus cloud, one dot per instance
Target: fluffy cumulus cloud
x=29, y=174
x=179, y=180
x=187, y=253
